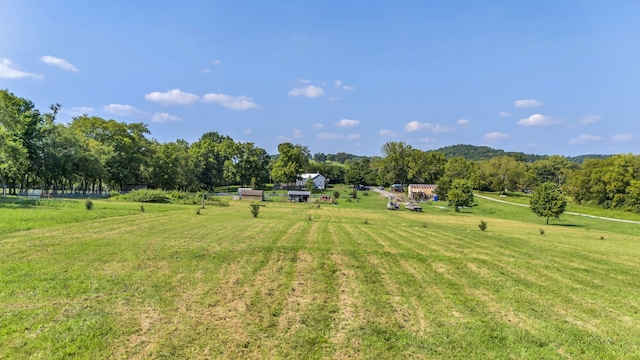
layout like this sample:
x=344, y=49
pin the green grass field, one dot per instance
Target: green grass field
x=345, y=281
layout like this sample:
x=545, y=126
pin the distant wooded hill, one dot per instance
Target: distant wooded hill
x=473, y=152
x=469, y=152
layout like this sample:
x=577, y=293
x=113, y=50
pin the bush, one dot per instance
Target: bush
x=483, y=225
x=142, y=208
x=88, y=204
x=541, y=231
x=255, y=209
x=144, y=195
x=336, y=194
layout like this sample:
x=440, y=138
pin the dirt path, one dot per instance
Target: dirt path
x=566, y=212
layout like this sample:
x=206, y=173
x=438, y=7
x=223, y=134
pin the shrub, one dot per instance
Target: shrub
x=145, y=195
x=541, y=231
x=601, y=237
x=483, y=225
x=88, y=204
x=366, y=221
x=255, y=209
x=142, y=208
x=336, y=194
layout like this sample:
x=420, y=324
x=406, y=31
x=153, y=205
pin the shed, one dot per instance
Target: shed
x=252, y=195
x=421, y=191
x=298, y=196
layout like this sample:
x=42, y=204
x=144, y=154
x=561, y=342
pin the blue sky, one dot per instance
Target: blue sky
x=547, y=77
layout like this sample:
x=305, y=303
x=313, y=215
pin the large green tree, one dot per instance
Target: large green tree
x=460, y=194
x=547, y=201
x=396, y=161
x=292, y=161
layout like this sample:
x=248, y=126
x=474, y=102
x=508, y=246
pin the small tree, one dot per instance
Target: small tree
x=548, y=201
x=255, y=209
x=460, y=194
x=309, y=184
x=483, y=225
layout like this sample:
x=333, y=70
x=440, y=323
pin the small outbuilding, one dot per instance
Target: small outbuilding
x=421, y=191
x=299, y=196
x=252, y=195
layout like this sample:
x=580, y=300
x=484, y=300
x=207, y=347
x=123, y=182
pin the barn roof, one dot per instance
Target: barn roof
x=423, y=186
x=251, y=192
x=299, y=193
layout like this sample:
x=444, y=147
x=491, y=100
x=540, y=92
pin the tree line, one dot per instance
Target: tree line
x=93, y=154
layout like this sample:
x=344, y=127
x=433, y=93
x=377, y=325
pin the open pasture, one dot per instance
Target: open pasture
x=352, y=280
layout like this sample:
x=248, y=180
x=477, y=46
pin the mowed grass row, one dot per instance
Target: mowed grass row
x=306, y=282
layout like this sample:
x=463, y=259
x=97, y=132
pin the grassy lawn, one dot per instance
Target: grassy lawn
x=301, y=281
x=522, y=198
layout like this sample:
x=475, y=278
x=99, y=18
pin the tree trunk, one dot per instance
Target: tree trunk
x=547, y=220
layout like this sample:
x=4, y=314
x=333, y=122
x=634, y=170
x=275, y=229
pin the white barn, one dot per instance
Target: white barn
x=319, y=180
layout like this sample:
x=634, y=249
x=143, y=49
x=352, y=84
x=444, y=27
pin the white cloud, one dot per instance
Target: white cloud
x=61, y=63
x=124, y=110
x=463, y=122
x=504, y=114
x=9, y=71
x=247, y=131
x=589, y=119
x=283, y=138
x=328, y=136
x=163, y=117
x=307, y=91
x=353, y=136
x=441, y=129
x=527, y=103
x=538, y=120
x=77, y=110
x=174, y=96
x=622, y=137
x=427, y=140
x=347, y=123
x=206, y=70
x=216, y=62
x=335, y=98
x=495, y=136
x=318, y=126
x=340, y=84
x=416, y=126
x=232, y=102
x=585, y=138
x=130, y=111
x=387, y=133
x=297, y=134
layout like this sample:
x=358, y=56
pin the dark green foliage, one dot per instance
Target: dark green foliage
x=460, y=194
x=255, y=209
x=141, y=208
x=472, y=152
x=88, y=204
x=336, y=194
x=145, y=196
x=547, y=201
x=541, y=231
x=483, y=225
